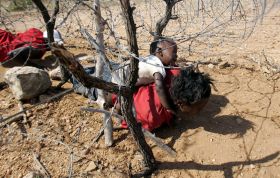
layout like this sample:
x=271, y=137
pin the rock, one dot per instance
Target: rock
x=106, y=164
x=112, y=168
x=91, y=166
x=77, y=158
x=223, y=65
x=266, y=70
x=252, y=166
x=211, y=66
x=33, y=175
x=27, y=82
x=55, y=74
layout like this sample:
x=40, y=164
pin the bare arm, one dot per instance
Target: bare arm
x=162, y=93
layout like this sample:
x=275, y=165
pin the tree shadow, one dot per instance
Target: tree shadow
x=210, y=121
x=225, y=167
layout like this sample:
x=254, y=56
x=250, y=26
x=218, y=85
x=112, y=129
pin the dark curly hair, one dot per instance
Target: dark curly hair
x=190, y=86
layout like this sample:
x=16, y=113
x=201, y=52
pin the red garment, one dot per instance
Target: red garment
x=8, y=42
x=5, y=44
x=149, y=110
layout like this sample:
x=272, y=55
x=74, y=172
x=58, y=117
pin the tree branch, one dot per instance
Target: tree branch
x=162, y=22
x=49, y=20
x=68, y=60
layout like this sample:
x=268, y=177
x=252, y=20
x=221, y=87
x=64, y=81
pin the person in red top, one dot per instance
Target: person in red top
x=148, y=107
x=189, y=91
x=181, y=92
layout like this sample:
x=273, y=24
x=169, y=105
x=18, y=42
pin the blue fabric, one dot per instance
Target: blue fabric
x=90, y=93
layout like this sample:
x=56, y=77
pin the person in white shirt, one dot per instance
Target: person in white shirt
x=163, y=52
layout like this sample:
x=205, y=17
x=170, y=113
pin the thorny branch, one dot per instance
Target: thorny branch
x=161, y=23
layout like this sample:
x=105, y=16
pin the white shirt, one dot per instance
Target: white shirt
x=147, y=67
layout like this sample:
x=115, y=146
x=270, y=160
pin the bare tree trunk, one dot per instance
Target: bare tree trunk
x=127, y=101
x=107, y=121
x=162, y=22
x=50, y=23
x=49, y=20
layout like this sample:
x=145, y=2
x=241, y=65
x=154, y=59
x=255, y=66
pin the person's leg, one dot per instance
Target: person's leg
x=90, y=93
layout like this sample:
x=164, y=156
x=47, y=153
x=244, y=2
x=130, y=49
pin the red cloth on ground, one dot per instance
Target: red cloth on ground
x=5, y=44
x=149, y=110
x=8, y=42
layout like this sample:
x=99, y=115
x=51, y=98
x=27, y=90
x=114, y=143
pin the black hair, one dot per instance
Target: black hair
x=154, y=44
x=190, y=86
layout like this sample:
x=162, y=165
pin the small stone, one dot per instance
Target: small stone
x=211, y=66
x=55, y=74
x=252, y=166
x=213, y=160
x=29, y=114
x=91, y=166
x=138, y=157
x=223, y=65
x=211, y=139
x=39, y=123
x=33, y=175
x=112, y=168
x=77, y=159
x=9, y=172
x=96, y=146
x=266, y=70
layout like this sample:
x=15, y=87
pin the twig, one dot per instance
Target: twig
x=5, y=121
x=70, y=150
x=18, y=115
x=148, y=134
x=159, y=142
x=70, y=164
x=20, y=105
x=40, y=165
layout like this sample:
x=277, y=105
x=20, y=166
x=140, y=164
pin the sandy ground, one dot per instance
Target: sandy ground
x=236, y=135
